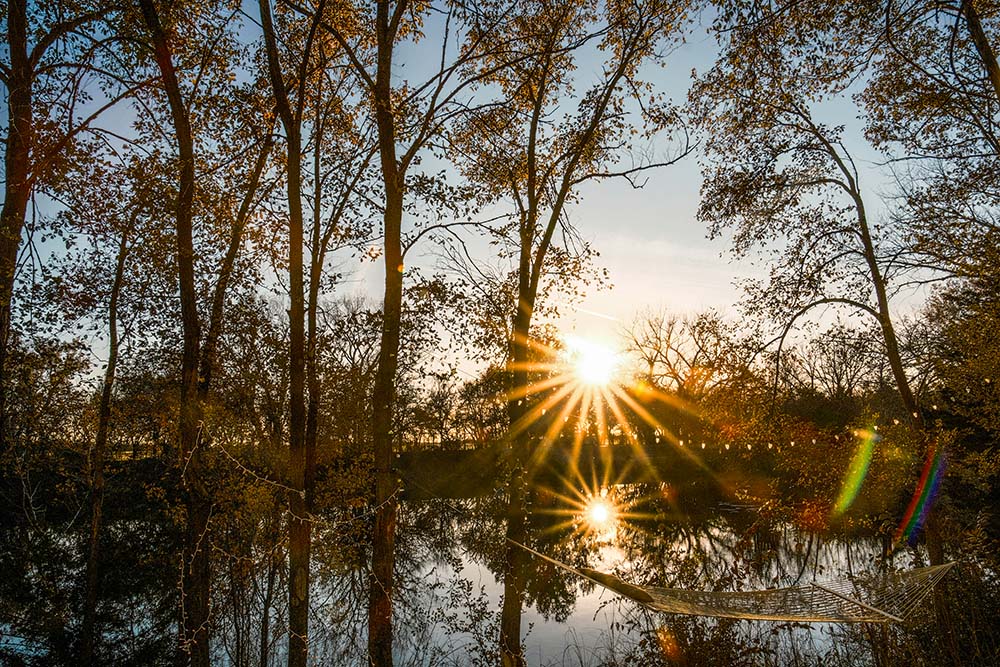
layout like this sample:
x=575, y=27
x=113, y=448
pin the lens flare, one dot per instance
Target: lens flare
x=857, y=472
x=599, y=513
x=923, y=497
x=576, y=394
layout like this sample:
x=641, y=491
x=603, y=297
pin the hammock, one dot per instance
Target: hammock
x=889, y=599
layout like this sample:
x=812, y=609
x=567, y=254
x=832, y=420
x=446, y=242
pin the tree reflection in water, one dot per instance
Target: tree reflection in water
x=449, y=562
x=452, y=560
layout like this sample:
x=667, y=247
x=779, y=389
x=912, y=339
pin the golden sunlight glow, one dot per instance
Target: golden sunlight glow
x=599, y=513
x=593, y=364
x=578, y=394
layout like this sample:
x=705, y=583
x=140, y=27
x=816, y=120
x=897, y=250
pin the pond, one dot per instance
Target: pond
x=450, y=561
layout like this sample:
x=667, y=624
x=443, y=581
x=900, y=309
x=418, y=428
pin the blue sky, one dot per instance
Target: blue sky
x=649, y=239
x=656, y=251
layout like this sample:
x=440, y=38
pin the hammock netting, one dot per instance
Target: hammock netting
x=890, y=598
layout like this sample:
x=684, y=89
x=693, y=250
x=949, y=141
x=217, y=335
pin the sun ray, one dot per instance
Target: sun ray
x=602, y=424
x=608, y=393
x=536, y=387
x=537, y=411
x=580, y=432
x=573, y=396
x=535, y=365
x=655, y=423
x=542, y=349
x=669, y=400
x=555, y=427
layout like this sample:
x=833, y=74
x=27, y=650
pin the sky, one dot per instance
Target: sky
x=649, y=239
x=656, y=251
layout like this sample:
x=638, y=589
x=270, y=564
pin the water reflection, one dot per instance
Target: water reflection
x=452, y=552
x=601, y=516
x=450, y=564
x=651, y=535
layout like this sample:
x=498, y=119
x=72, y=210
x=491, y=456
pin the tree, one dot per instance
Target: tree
x=105, y=204
x=53, y=49
x=198, y=347
x=691, y=357
x=195, y=598
x=932, y=105
x=781, y=179
x=320, y=105
x=408, y=117
x=776, y=175
x=926, y=76
x=535, y=150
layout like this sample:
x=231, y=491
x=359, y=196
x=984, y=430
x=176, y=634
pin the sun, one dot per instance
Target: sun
x=593, y=364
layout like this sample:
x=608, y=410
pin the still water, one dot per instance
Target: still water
x=450, y=563
x=450, y=568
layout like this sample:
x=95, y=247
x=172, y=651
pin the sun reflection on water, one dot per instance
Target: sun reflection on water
x=579, y=394
x=599, y=513
x=598, y=516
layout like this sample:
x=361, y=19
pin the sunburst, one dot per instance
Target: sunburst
x=579, y=393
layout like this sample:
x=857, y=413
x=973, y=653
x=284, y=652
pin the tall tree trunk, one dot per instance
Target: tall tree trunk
x=195, y=598
x=932, y=533
x=983, y=46
x=885, y=319
x=265, y=621
x=215, y=318
x=511, y=654
x=17, y=183
x=383, y=539
x=312, y=328
x=97, y=458
x=299, y=526
x=384, y=392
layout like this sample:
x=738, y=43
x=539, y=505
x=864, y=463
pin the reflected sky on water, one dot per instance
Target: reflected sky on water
x=645, y=534
x=450, y=565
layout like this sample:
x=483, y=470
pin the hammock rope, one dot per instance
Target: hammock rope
x=889, y=599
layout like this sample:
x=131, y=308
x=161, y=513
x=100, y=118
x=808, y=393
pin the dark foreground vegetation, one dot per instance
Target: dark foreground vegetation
x=216, y=449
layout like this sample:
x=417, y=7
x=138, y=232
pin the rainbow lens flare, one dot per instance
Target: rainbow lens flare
x=923, y=497
x=857, y=472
